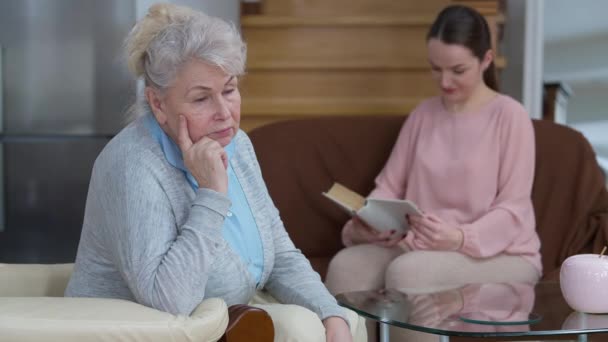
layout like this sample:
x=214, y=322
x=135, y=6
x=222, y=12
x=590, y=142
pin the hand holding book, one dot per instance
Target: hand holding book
x=381, y=214
x=356, y=231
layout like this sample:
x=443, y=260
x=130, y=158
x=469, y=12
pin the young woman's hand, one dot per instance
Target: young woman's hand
x=356, y=231
x=432, y=233
x=206, y=159
x=336, y=330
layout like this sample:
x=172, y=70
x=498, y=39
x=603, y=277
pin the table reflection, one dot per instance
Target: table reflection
x=493, y=307
x=439, y=311
x=499, y=306
x=580, y=320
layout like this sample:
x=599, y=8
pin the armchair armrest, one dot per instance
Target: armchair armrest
x=32, y=308
x=98, y=319
x=248, y=323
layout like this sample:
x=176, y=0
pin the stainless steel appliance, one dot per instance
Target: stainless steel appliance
x=63, y=93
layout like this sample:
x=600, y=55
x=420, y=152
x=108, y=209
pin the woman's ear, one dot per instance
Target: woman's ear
x=156, y=104
x=488, y=57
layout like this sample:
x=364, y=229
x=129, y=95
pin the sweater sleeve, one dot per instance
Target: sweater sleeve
x=165, y=266
x=511, y=214
x=292, y=279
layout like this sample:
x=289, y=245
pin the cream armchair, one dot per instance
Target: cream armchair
x=32, y=308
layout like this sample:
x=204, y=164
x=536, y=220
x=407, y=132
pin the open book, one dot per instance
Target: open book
x=381, y=214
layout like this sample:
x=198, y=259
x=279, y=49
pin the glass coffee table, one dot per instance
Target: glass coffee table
x=476, y=310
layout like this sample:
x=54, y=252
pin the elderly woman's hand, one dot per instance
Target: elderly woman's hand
x=336, y=330
x=206, y=159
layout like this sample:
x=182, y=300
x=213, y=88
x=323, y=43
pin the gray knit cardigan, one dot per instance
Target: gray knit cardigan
x=149, y=237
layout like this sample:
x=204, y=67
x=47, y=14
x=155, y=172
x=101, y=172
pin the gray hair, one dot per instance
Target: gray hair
x=171, y=35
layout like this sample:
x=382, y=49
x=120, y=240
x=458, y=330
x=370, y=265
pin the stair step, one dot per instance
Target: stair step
x=485, y=7
x=337, y=83
x=336, y=43
x=332, y=8
x=257, y=21
x=287, y=107
x=336, y=47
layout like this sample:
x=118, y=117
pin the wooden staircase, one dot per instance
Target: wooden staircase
x=339, y=57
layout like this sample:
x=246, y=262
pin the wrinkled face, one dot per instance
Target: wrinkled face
x=456, y=70
x=206, y=96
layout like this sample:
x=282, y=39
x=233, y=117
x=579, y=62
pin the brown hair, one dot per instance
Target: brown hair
x=465, y=26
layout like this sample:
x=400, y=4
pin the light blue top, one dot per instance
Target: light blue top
x=240, y=230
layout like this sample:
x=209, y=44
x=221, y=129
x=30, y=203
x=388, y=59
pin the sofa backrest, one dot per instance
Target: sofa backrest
x=302, y=158
x=569, y=196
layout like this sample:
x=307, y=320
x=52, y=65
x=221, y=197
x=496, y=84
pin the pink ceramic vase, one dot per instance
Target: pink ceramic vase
x=584, y=282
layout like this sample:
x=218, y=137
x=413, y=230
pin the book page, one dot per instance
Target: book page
x=346, y=198
x=385, y=214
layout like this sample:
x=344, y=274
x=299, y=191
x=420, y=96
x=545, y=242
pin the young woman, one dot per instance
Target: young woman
x=466, y=157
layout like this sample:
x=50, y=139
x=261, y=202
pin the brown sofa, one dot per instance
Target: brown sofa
x=302, y=158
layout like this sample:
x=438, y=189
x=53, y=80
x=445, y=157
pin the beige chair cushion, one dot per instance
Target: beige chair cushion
x=33, y=280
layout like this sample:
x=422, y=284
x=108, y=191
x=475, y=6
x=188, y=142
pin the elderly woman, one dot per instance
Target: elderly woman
x=177, y=210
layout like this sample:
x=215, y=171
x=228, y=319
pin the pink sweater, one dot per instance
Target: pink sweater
x=474, y=170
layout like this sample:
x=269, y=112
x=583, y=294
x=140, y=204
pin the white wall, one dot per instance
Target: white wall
x=577, y=59
x=576, y=52
x=589, y=103
x=523, y=49
x=588, y=113
x=511, y=79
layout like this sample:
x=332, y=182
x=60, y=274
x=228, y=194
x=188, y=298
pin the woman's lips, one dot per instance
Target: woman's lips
x=448, y=90
x=223, y=133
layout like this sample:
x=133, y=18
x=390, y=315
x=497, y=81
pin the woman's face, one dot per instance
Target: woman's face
x=456, y=70
x=206, y=96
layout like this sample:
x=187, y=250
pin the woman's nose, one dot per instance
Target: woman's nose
x=445, y=81
x=222, y=109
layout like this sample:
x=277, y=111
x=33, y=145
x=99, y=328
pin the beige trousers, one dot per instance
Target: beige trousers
x=370, y=267
x=293, y=323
